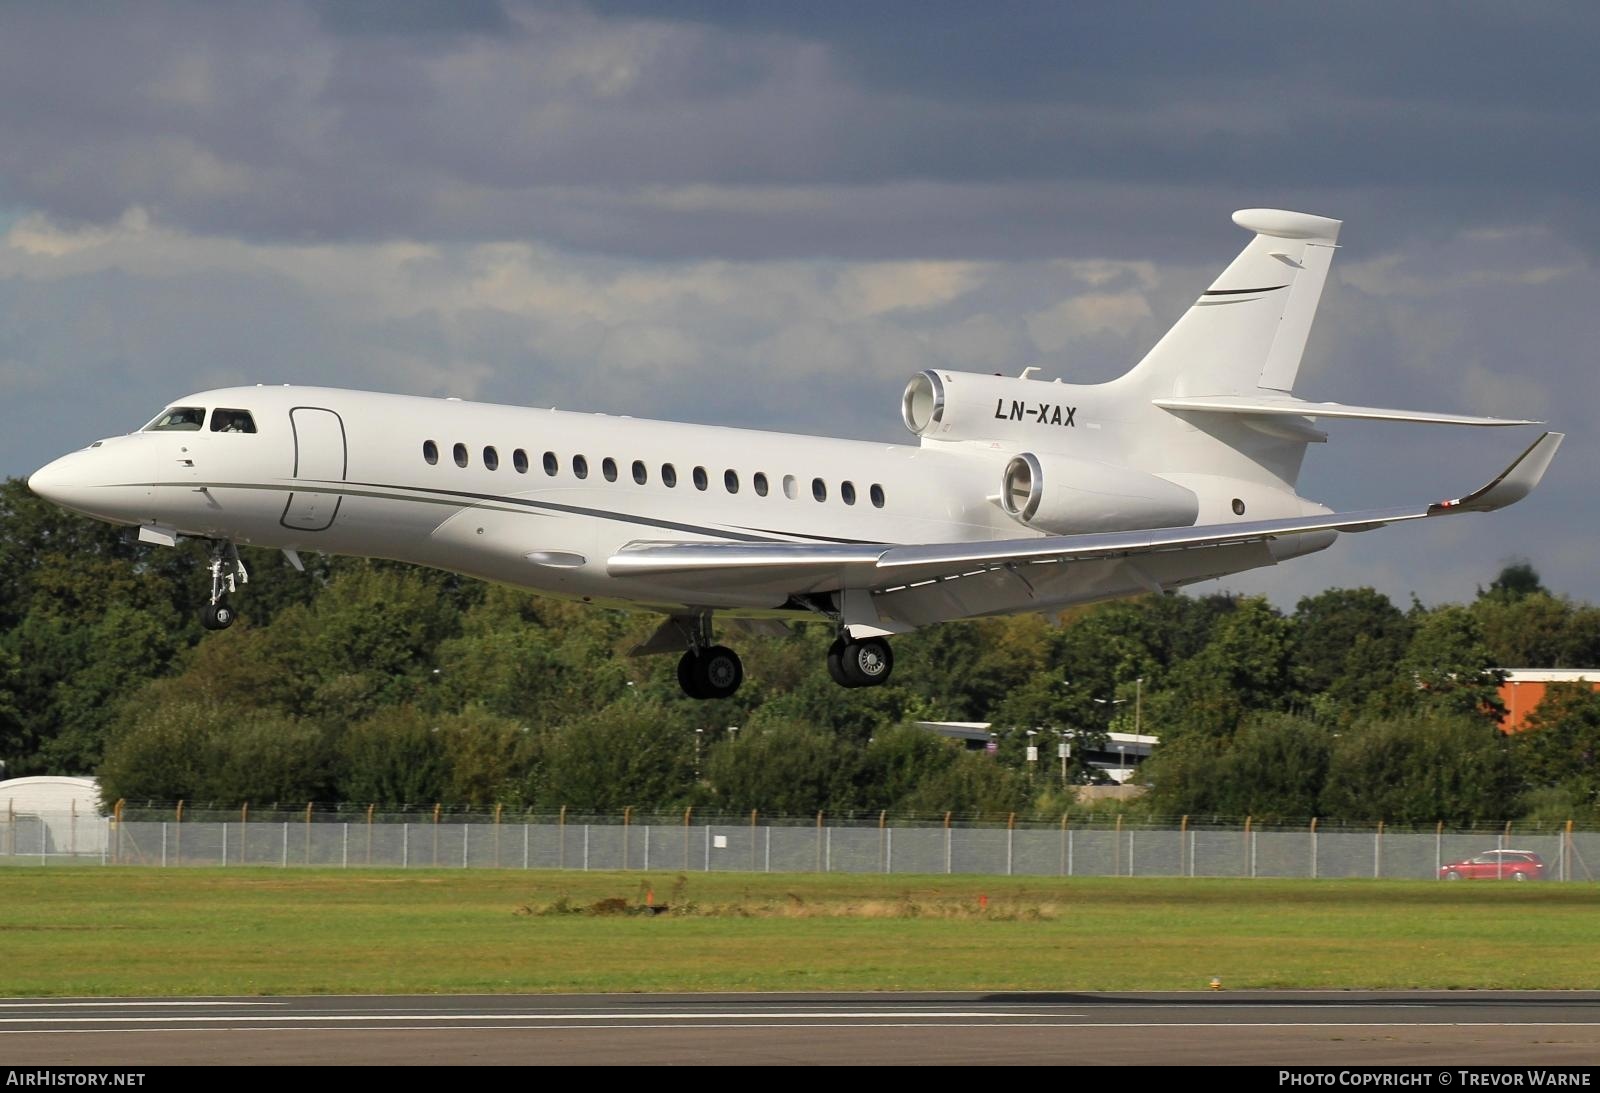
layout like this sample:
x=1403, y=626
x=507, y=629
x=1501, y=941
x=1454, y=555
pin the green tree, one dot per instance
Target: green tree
x=1561, y=747
x=631, y=753
x=1441, y=766
x=1243, y=668
x=395, y=757
x=1347, y=643
x=783, y=769
x=1447, y=668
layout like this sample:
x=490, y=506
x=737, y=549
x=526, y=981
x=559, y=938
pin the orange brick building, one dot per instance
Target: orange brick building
x=1524, y=689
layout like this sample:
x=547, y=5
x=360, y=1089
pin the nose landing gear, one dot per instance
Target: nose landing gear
x=227, y=573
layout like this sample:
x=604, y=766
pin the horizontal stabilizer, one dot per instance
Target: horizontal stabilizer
x=806, y=568
x=1274, y=405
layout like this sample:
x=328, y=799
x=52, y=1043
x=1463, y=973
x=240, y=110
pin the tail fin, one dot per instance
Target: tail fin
x=1247, y=332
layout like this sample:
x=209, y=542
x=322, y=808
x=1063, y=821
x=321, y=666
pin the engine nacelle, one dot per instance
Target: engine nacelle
x=940, y=405
x=1066, y=496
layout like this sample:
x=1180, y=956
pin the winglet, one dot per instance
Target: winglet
x=1513, y=484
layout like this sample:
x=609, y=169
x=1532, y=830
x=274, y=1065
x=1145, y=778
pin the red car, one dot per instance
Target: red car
x=1496, y=865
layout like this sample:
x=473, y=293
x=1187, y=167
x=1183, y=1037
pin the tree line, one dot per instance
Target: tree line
x=362, y=682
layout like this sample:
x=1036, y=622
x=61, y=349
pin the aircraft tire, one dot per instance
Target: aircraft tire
x=216, y=616
x=687, y=679
x=836, y=663
x=718, y=672
x=867, y=663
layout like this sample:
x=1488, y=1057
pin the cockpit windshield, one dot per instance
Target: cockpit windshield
x=232, y=421
x=177, y=419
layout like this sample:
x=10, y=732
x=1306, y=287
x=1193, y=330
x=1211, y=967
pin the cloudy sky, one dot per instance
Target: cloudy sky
x=772, y=214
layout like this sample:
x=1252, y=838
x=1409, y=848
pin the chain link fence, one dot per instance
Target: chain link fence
x=885, y=847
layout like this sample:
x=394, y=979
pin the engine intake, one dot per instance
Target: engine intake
x=1066, y=496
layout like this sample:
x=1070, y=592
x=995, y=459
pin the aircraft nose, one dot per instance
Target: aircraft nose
x=62, y=482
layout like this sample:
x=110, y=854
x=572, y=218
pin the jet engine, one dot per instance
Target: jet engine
x=1065, y=496
x=940, y=405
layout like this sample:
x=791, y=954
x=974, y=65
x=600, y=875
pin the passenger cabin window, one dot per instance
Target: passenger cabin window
x=790, y=490
x=700, y=480
x=877, y=496
x=232, y=421
x=759, y=483
x=608, y=467
x=730, y=479
x=430, y=452
x=179, y=419
x=669, y=475
x=639, y=475
x=519, y=460
x=551, y=465
x=819, y=489
x=491, y=459
x=580, y=466
x=460, y=452
x=847, y=492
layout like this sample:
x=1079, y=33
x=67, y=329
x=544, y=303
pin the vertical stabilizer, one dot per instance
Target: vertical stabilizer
x=1247, y=332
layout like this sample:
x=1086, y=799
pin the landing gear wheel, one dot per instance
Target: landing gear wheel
x=216, y=616
x=710, y=673
x=836, y=663
x=867, y=663
x=718, y=672
x=686, y=674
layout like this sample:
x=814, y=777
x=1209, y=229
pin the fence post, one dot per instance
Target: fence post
x=819, y=868
x=883, y=842
x=561, y=840
x=752, y=840
x=1064, y=863
x=1011, y=827
x=437, y=808
x=177, y=838
x=308, y=832
x=497, y=810
x=244, y=834
x=1438, y=848
x=1247, y=821
x=1566, y=853
x=686, y=814
x=947, y=844
x=1377, y=852
x=369, y=832
x=1185, y=869
x=627, y=822
x=1313, y=848
x=1116, y=848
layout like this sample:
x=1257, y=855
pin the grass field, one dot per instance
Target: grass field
x=108, y=931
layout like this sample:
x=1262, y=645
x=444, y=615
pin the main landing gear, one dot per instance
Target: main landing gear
x=713, y=672
x=227, y=573
x=864, y=663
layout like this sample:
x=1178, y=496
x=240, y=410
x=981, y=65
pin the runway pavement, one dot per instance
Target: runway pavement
x=1268, y=1027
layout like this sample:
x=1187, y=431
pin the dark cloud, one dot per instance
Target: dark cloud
x=781, y=130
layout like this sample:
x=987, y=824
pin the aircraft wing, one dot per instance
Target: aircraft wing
x=804, y=568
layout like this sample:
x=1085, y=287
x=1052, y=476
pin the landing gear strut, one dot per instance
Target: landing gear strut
x=864, y=663
x=227, y=573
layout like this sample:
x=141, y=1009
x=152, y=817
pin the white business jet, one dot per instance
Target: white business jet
x=1021, y=494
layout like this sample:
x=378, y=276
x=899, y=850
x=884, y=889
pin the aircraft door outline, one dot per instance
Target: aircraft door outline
x=321, y=452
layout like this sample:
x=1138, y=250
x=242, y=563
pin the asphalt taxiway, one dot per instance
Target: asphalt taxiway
x=1273, y=1028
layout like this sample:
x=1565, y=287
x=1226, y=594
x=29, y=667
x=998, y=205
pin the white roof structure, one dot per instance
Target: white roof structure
x=50, y=793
